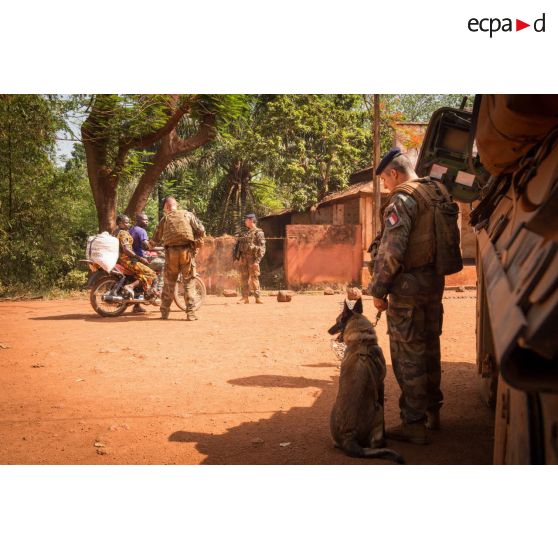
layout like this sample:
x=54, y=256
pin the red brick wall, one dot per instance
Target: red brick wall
x=322, y=254
x=215, y=264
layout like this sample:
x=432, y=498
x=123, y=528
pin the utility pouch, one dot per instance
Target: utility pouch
x=405, y=284
x=448, y=252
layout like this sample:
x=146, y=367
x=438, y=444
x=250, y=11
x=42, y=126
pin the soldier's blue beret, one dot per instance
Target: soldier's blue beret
x=387, y=159
x=250, y=216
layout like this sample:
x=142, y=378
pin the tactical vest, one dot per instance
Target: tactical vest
x=434, y=237
x=246, y=242
x=177, y=228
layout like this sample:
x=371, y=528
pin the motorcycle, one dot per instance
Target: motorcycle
x=110, y=299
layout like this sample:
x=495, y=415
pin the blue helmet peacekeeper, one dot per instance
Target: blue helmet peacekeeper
x=407, y=283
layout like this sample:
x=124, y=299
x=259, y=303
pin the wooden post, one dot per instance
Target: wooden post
x=375, y=163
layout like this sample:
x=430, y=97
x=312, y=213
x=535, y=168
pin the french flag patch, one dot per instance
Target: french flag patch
x=392, y=219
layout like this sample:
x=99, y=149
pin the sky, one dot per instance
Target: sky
x=65, y=143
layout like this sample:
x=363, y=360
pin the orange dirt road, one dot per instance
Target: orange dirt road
x=244, y=384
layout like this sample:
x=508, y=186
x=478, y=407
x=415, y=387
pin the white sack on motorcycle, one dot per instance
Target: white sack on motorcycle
x=102, y=249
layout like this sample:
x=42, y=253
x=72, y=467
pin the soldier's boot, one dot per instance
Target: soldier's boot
x=189, y=299
x=244, y=300
x=164, y=313
x=414, y=433
x=259, y=300
x=433, y=419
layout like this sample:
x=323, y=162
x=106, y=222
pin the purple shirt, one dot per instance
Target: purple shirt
x=139, y=235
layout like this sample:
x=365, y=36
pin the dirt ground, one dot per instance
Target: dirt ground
x=244, y=384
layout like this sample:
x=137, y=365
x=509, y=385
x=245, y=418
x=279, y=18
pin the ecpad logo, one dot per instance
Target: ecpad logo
x=494, y=24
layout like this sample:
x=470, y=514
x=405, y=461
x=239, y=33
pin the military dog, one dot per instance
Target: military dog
x=357, y=418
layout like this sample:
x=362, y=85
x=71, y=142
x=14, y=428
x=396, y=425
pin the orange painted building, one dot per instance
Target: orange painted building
x=352, y=209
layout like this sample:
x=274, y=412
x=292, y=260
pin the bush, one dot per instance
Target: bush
x=73, y=281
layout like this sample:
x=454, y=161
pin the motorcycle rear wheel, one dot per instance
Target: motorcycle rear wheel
x=105, y=309
x=179, y=293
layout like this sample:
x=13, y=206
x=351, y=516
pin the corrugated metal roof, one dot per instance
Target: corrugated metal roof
x=287, y=211
x=366, y=187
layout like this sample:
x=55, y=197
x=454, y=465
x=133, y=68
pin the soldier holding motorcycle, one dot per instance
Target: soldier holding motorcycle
x=179, y=231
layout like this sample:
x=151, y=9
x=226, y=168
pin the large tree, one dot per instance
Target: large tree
x=285, y=150
x=314, y=142
x=138, y=136
x=237, y=161
x=290, y=150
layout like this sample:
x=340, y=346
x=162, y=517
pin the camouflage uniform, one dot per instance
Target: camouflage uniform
x=178, y=230
x=415, y=310
x=251, y=251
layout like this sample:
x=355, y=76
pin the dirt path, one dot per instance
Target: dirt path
x=229, y=388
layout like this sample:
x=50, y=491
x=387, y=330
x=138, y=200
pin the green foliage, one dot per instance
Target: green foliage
x=46, y=212
x=288, y=151
x=313, y=143
x=130, y=140
x=72, y=281
x=125, y=118
x=419, y=108
x=271, y=152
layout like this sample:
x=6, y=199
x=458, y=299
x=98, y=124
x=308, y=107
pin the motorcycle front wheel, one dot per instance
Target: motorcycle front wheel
x=105, y=309
x=200, y=291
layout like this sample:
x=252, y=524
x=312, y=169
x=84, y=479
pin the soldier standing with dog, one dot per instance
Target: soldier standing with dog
x=178, y=231
x=419, y=244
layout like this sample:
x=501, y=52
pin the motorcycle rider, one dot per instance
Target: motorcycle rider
x=130, y=261
x=141, y=243
x=139, y=234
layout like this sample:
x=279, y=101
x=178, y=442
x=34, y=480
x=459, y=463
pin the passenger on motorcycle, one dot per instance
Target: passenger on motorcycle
x=131, y=262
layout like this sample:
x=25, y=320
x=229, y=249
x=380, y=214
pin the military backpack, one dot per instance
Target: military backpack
x=178, y=228
x=436, y=238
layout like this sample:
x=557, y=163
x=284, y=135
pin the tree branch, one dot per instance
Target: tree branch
x=179, y=147
x=172, y=147
x=179, y=110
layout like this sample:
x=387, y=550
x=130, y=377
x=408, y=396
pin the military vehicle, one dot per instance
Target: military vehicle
x=502, y=157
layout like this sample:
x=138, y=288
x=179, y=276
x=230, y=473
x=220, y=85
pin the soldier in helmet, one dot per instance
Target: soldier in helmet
x=178, y=231
x=404, y=269
x=249, y=251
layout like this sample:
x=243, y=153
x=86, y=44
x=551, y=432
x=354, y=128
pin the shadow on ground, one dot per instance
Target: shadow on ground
x=274, y=380
x=93, y=317
x=465, y=437
x=321, y=365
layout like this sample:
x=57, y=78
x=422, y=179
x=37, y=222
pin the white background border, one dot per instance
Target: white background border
x=278, y=47
x=278, y=511
x=292, y=46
